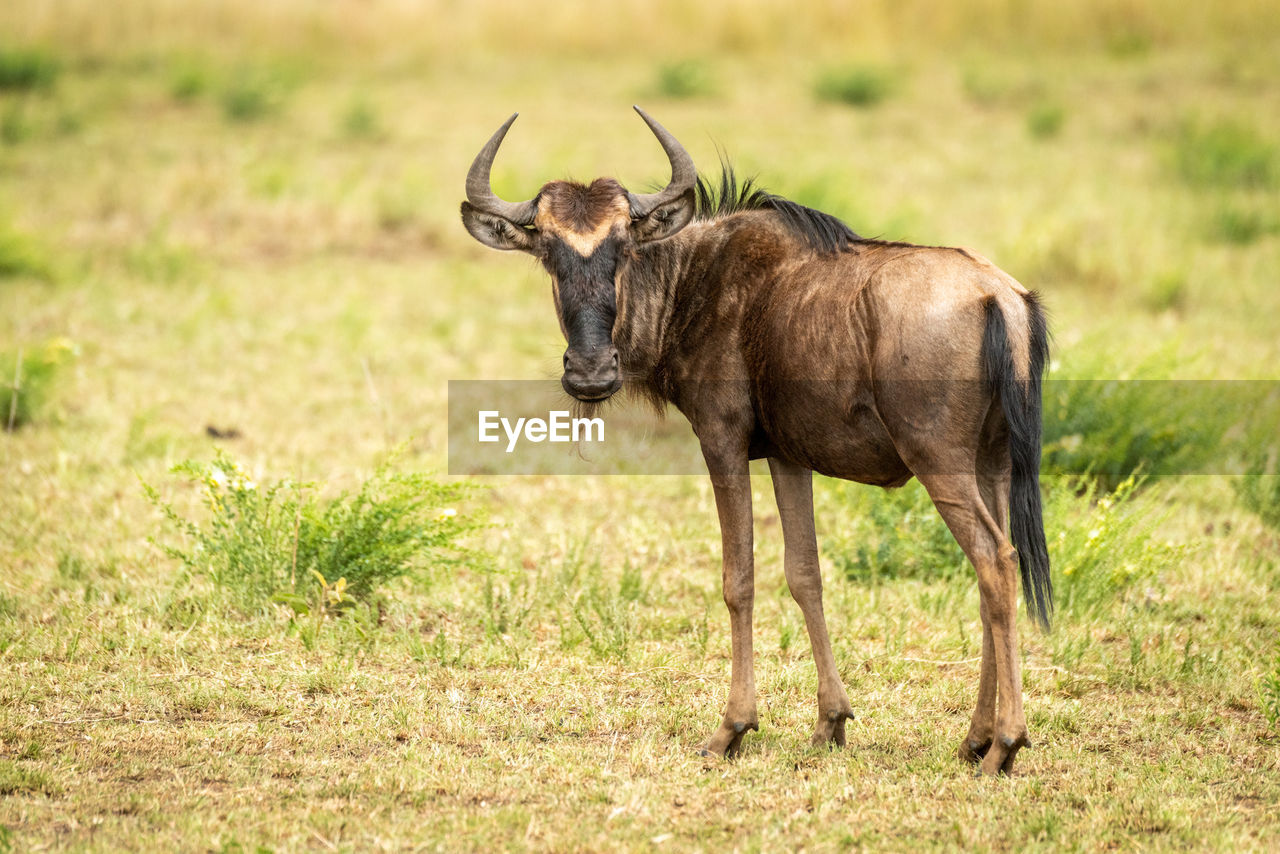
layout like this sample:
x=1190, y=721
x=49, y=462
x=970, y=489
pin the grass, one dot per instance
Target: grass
x=15, y=126
x=1226, y=154
x=27, y=379
x=23, y=256
x=1045, y=120
x=1240, y=224
x=1111, y=420
x=1269, y=693
x=276, y=543
x=24, y=69
x=856, y=86
x=1260, y=493
x=251, y=96
x=188, y=82
x=689, y=78
x=360, y=120
x=306, y=290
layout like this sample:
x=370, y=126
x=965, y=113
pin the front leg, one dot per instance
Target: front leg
x=793, y=488
x=731, y=480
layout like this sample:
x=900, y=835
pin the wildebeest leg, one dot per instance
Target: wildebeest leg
x=960, y=502
x=793, y=488
x=993, y=484
x=982, y=727
x=732, y=484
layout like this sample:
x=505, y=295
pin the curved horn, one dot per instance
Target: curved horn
x=479, y=192
x=684, y=175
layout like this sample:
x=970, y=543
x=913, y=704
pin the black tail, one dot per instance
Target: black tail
x=1021, y=404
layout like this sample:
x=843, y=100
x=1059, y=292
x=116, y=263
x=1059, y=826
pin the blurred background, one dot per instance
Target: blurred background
x=244, y=215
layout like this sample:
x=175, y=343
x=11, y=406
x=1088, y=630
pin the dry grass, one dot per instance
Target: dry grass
x=302, y=278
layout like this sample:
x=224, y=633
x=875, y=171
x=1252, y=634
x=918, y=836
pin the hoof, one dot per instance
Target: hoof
x=998, y=761
x=830, y=729
x=726, y=743
x=972, y=750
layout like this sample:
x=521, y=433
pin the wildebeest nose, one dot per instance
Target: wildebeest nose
x=591, y=374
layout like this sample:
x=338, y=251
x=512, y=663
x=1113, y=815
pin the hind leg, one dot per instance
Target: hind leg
x=999, y=727
x=993, y=486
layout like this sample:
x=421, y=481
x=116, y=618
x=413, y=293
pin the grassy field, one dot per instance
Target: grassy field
x=243, y=216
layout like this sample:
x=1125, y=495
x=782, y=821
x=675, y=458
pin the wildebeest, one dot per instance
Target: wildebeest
x=780, y=333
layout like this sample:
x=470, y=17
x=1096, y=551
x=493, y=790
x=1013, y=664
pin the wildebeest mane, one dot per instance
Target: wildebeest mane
x=823, y=232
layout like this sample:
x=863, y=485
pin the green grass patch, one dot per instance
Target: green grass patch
x=1269, y=693
x=1167, y=291
x=1260, y=494
x=1225, y=154
x=359, y=119
x=252, y=96
x=1111, y=420
x=1240, y=224
x=1045, y=119
x=19, y=779
x=279, y=542
x=856, y=85
x=188, y=83
x=690, y=78
x=157, y=258
x=892, y=534
x=21, y=255
x=1103, y=544
x=27, y=69
x=27, y=378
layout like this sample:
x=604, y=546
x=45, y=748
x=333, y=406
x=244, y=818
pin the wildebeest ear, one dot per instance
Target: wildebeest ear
x=494, y=231
x=664, y=220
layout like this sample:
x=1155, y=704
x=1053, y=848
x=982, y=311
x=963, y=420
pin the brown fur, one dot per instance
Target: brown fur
x=581, y=207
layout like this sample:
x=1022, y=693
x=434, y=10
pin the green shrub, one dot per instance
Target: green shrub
x=360, y=120
x=895, y=533
x=250, y=97
x=26, y=69
x=1045, y=120
x=1102, y=544
x=26, y=378
x=1260, y=494
x=22, y=255
x=857, y=86
x=605, y=615
x=1225, y=154
x=188, y=83
x=688, y=79
x=1111, y=420
x=1167, y=291
x=1233, y=223
x=280, y=542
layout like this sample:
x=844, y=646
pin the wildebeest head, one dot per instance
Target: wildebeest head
x=581, y=233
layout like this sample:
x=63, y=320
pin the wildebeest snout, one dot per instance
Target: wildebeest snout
x=591, y=374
